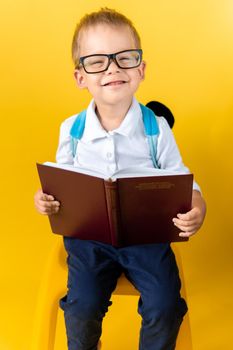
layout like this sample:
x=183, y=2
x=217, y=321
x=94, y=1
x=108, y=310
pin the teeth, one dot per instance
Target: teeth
x=115, y=83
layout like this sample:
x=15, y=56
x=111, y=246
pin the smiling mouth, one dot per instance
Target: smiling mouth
x=114, y=83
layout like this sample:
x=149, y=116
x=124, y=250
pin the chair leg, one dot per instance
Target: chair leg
x=45, y=320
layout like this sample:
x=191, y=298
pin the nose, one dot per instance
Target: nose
x=112, y=66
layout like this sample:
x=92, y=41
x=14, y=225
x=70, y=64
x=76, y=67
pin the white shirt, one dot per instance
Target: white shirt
x=126, y=146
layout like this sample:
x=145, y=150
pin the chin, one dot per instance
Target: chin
x=118, y=100
x=117, y=96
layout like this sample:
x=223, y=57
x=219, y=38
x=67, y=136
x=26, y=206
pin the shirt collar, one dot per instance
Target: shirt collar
x=94, y=130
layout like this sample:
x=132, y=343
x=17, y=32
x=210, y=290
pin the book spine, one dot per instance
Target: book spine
x=113, y=211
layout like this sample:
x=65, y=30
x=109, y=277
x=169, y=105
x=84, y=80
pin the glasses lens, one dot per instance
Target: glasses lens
x=95, y=63
x=128, y=59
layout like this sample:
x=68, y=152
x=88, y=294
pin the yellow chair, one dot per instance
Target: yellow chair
x=49, y=329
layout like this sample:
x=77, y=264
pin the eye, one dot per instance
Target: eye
x=95, y=61
x=125, y=58
x=128, y=59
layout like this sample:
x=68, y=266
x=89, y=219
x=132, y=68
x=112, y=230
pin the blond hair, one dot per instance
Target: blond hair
x=103, y=16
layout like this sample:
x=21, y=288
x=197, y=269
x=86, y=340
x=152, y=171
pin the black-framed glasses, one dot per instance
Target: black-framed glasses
x=100, y=62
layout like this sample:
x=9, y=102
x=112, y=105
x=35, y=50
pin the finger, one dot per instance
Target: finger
x=190, y=215
x=47, y=197
x=184, y=222
x=188, y=228
x=41, y=210
x=187, y=234
x=43, y=196
x=47, y=211
x=47, y=204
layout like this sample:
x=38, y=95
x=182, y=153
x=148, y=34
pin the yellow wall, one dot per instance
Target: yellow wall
x=189, y=51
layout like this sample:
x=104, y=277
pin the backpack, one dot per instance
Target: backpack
x=150, y=125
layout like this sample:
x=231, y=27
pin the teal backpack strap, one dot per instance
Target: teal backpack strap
x=151, y=131
x=150, y=125
x=76, y=131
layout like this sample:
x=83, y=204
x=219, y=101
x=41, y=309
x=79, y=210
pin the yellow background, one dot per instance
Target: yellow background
x=188, y=46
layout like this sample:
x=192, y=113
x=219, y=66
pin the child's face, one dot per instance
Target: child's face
x=115, y=85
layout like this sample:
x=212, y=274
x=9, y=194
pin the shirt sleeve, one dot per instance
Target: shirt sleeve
x=64, y=152
x=168, y=154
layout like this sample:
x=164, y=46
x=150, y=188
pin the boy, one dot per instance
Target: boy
x=108, y=62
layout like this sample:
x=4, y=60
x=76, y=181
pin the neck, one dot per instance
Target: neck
x=111, y=117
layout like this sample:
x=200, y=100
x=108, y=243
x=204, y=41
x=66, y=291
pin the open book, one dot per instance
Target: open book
x=134, y=206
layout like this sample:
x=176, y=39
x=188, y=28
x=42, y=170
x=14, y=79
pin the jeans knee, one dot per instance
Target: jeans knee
x=86, y=308
x=173, y=310
x=164, y=309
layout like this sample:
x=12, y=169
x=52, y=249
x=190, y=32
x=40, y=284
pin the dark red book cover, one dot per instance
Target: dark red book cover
x=128, y=211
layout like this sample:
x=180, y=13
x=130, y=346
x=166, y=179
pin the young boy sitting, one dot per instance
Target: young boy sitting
x=108, y=62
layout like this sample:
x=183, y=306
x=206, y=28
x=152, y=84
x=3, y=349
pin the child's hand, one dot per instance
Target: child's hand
x=190, y=222
x=45, y=204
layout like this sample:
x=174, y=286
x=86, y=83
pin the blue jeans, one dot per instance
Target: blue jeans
x=93, y=272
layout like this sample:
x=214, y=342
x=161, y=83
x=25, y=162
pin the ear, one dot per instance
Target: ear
x=142, y=69
x=79, y=76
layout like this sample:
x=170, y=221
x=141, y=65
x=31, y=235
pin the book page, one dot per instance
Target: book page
x=143, y=172
x=80, y=170
x=122, y=173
